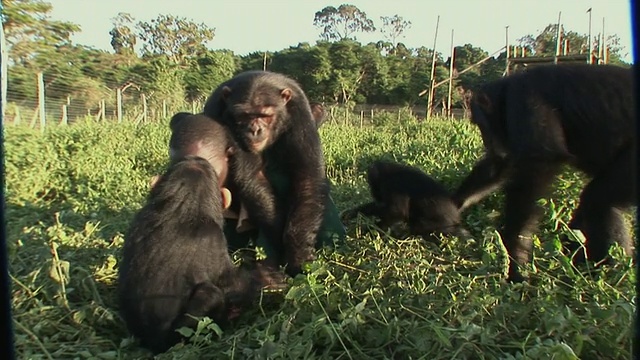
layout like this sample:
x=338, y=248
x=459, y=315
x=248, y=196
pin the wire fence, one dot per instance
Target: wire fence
x=128, y=102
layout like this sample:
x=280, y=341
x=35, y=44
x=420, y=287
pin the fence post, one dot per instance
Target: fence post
x=41, y=100
x=64, y=120
x=17, y=119
x=144, y=108
x=164, y=109
x=119, y=104
x=103, y=106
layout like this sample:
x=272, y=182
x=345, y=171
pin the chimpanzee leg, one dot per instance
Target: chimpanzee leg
x=599, y=214
x=529, y=182
x=487, y=175
x=206, y=300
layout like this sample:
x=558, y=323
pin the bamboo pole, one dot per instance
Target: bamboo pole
x=432, y=80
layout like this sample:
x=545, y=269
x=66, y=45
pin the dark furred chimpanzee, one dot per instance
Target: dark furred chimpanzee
x=318, y=112
x=175, y=261
x=197, y=134
x=404, y=193
x=532, y=123
x=269, y=114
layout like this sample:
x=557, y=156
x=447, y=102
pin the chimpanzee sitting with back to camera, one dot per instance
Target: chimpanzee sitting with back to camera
x=404, y=193
x=532, y=124
x=175, y=262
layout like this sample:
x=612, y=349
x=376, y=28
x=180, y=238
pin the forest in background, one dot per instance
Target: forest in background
x=173, y=70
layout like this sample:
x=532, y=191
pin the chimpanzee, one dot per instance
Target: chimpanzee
x=404, y=193
x=318, y=112
x=197, y=134
x=269, y=114
x=534, y=122
x=175, y=261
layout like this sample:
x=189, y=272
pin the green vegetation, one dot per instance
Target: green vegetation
x=71, y=192
x=178, y=63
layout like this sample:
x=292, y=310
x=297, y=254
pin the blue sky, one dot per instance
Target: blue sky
x=245, y=26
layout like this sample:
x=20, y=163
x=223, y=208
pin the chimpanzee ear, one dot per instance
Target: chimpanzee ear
x=226, y=92
x=230, y=151
x=226, y=197
x=154, y=180
x=483, y=101
x=286, y=95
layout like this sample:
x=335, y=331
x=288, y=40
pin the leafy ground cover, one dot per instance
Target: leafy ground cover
x=72, y=191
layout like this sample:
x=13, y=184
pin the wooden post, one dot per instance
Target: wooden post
x=371, y=114
x=506, y=40
x=16, y=120
x=264, y=62
x=41, y=100
x=164, y=109
x=453, y=51
x=193, y=106
x=103, y=106
x=433, y=72
x=144, y=107
x=64, y=119
x=361, y=118
x=558, y=39
x=602, y=46
x=565, y=50
x=590, y=57
x=119, y=104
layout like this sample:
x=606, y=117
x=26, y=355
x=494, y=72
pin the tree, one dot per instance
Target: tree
x=208, y=70
x=342, y=23
x=175, y=37
x=29, y=29
x=309, y=66
x=393, y=28
x=544, y=44
x=123, y=40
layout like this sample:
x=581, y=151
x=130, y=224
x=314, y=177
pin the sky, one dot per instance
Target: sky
x=245, y=26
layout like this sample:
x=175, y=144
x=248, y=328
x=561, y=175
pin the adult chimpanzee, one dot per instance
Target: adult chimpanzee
x=318, y=112
x=534, y=122
x=175, y=260
x=404, y=193
x=269, y=114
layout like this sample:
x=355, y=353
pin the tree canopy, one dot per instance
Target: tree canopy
x=167, y=59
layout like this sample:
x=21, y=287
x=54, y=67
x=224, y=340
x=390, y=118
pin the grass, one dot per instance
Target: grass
x=72, y=191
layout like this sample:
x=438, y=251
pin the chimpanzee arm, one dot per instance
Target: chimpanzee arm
x=307, y=201
x=256, y=193
x=487, y=175
x=369, y=209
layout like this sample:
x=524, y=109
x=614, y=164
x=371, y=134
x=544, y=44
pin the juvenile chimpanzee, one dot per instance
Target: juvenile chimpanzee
x=534, y=122
x=404, y=193
x=269, y=114
x=197, y=134
x=175, y=261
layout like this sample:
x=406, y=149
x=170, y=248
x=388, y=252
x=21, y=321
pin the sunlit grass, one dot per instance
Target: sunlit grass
x=73, y=190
